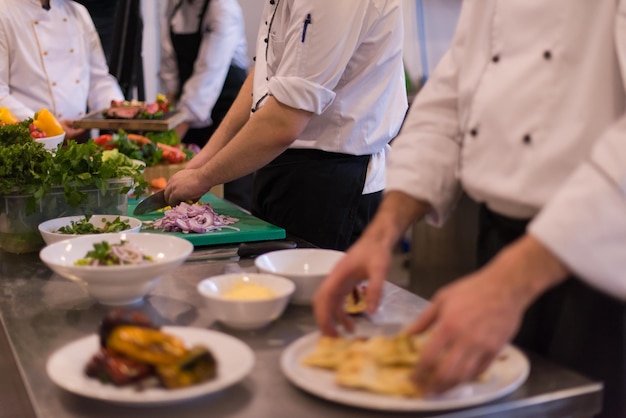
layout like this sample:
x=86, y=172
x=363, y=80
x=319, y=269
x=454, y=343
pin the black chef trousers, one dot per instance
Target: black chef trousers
x=316, y=195
x=572, y=324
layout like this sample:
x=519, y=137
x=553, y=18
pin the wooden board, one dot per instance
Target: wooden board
x=96, y=120
x=250, y=227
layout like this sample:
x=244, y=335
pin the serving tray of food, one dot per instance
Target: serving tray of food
x=238, y=226
x=98, y=120
x=134, y=115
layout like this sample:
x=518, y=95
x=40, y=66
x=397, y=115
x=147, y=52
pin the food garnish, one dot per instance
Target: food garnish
x=196, y=217
x=84, y=226
x=106, y=254
x=133, y=350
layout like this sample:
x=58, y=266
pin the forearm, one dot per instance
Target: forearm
x=265, y=136
x=396, y=213
x=529, y=268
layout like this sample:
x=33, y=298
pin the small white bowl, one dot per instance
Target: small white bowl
x=118, y=285
x=48, y=229
x=246, y=314
x=306, y=267
x=51, y=142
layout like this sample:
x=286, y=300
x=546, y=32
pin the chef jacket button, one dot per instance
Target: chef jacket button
x=547, y=55
x=77, y=81
x=36, y=22
x=272, y=1
x=71, y=50
x=54, y=83
x=254, y=58
x=265, y=40
x=474, y=132
x=45, y=53
x=60, y=115
x=65, y=19
x=495, y=58
x=527, y=139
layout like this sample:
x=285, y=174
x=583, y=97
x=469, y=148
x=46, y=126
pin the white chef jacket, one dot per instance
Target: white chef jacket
x=512, y=110
x=223, y=43
x=55, y=60
x=342, y=63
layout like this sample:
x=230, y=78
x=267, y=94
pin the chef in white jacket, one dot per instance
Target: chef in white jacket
x=526, y=112
x=53, y=59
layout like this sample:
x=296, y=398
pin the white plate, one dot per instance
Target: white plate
x=234, y=361
x=503, y=377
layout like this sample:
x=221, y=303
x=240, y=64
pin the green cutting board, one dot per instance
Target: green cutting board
x=250, y=227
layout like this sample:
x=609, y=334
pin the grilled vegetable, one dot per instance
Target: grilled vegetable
x=117, y=318
x=107, y=366
x=150, y=346
x=198, y=365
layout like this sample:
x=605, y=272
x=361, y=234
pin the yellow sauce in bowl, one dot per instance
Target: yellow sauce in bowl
x=248, y=291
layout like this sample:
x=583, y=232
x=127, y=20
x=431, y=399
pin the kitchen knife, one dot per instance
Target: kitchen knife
x=151, y=203
x=245, y=249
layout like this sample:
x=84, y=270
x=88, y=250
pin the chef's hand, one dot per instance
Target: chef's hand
x=183, y=186
x=470, y=320
x=366, y=259
x=71, y=132
x=468, y=323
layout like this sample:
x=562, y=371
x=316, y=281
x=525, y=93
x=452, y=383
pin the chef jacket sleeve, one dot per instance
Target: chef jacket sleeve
x=224, y=19
x=18, y=109
x=103, y=87
x=307, y=61
x=424, y=156
x=585, y=223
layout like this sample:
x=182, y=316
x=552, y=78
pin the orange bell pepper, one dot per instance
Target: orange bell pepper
x=46, y=121
x=7, y=117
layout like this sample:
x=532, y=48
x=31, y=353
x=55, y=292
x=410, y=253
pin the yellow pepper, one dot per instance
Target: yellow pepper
x=147, y=345
x=45, y=121
x=7, y=117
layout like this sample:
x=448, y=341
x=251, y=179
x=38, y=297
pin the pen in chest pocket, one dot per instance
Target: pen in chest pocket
x=307, y=22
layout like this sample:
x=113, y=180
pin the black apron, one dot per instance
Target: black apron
x=186, y=47
x=572, y=324
x=316, y=195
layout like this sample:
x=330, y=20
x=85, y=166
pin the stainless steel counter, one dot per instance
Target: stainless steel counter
x=41, y=312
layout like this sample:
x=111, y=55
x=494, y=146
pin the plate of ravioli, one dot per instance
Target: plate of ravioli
x=373, y=372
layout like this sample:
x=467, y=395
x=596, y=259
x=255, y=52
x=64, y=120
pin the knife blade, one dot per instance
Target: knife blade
x=245, y=249
x=151, y=203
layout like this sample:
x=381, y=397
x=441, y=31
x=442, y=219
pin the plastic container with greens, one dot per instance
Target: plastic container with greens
x=36, y=185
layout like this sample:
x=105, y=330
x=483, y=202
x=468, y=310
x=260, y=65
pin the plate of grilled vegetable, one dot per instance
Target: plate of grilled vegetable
x=131, y=361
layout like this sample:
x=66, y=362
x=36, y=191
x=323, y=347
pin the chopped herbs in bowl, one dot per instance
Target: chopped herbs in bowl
x=71, y=226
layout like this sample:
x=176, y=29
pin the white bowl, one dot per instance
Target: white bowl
x=246, y=314
x=306, y=267
x=51, y=142
x=118, y=285
x=48, y=229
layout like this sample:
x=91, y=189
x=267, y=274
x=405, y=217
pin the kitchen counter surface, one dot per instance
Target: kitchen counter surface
x=41, y=312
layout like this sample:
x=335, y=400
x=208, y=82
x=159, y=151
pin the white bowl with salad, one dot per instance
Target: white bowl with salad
x=120, y=268
x=60, y=229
